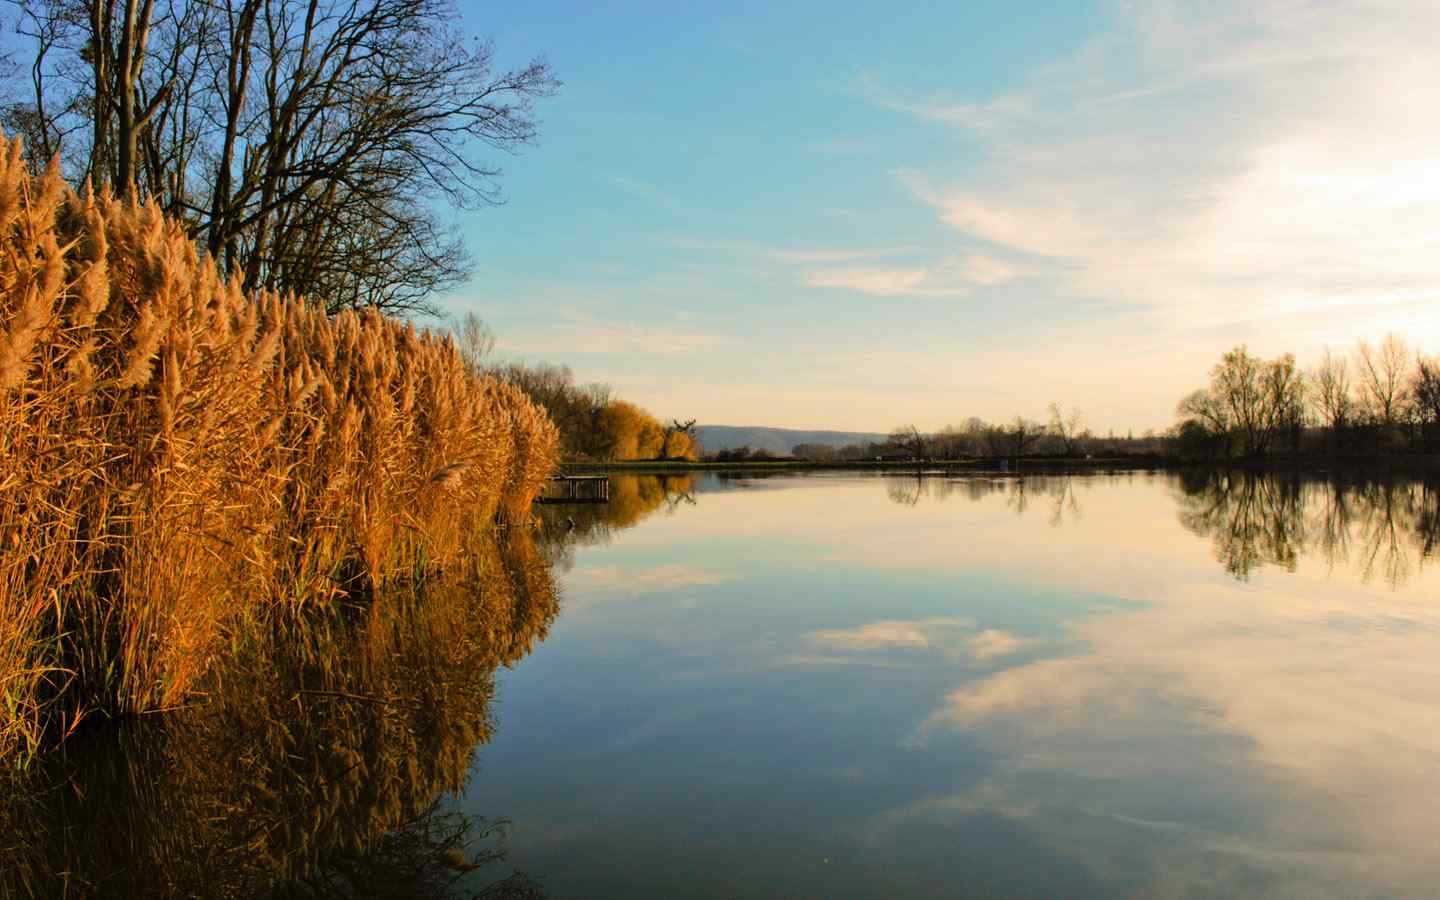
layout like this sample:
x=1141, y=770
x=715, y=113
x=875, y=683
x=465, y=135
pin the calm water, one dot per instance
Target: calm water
x=823, y=686
x=1100, y=686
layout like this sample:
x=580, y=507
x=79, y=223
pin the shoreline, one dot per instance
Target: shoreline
x=1419, y=463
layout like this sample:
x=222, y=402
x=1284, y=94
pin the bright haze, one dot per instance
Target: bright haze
x=847, y=216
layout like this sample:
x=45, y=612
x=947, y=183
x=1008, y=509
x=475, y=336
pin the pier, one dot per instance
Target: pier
x=576, y=489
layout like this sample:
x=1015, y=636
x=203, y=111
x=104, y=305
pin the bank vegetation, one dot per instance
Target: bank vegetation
x=594, y=425
x=182, y=457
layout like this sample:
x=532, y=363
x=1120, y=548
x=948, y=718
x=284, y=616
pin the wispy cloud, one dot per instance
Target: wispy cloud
x=578, y=333
x=836, y=255
x=638, y=187
x=981, y=116
x=877, y=281
x=952, y=277
x=794, y=255
x=862, y=269
x=1220, y=162
x=865, y=269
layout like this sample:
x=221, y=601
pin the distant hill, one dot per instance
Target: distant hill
x=715, y=438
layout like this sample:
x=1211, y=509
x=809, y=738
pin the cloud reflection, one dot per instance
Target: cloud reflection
x=1309, y=714
x=1235, y=691
x=921, y=633
x=954, y=637
x=637, y=580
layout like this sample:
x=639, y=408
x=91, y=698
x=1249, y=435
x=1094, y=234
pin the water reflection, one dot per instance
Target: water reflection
x=1386, y=529
x=317, y=766
x=1057, y=491
x=1214, y=684
x=994, y=686
x=563, y=527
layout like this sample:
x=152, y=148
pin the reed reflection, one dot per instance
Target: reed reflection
x=319, y=765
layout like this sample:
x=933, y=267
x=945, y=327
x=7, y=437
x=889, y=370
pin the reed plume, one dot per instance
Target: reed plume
x=182, y=456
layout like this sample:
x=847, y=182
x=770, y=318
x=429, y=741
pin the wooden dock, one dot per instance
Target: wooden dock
x=576, y=489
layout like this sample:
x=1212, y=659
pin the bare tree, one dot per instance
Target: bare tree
x=1249, y=400
x=306, y=142
x=976, y=437
x=1285, y=391
x=1207, y=409
x=1065, y=427
x=950, y=443
x=1333, y=395
x=1022, y=434
x=1236, y=384
x=909, y=439
x=1425, y=389
x=1382, y=378
x=477, y=342
x=33, y=114
x=1206, y=428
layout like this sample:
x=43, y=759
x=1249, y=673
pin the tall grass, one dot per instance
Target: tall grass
x=177, y=455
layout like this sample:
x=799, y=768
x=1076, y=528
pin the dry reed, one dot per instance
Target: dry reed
x=180, y=456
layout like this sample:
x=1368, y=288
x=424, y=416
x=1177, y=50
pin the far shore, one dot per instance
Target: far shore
x=1398, y=462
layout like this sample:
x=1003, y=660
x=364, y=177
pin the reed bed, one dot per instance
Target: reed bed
x=181, y=456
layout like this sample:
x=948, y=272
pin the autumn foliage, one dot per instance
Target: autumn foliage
x=593, y=425
x=179, y=455
x=629, y=432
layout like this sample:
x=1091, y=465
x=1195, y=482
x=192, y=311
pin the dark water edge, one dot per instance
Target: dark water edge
x=1313, y=464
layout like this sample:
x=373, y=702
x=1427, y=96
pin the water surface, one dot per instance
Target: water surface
x=1144, y=684
x=1129, y=684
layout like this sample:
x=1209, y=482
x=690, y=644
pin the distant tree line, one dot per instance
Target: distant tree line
x=1379, y=399
x=1063, y=435
x=594, y=425
x=746, y=453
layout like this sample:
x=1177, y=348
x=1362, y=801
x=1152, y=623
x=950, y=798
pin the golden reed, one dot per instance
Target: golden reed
x=178, y=456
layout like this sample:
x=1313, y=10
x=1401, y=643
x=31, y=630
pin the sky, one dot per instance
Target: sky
x=853, y=216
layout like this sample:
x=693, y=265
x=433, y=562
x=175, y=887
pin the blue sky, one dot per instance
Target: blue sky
x=851, y=216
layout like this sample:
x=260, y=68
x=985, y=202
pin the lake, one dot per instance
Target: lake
x=1128, y=684
x=1058, y=686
